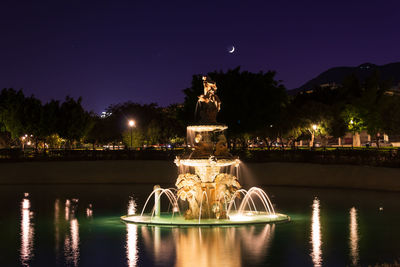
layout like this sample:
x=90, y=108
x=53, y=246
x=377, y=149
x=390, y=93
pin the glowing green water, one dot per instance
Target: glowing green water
x=327, y=227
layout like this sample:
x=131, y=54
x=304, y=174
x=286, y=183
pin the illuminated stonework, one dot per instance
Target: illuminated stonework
x=207, y=190
x=204, y=186
x=207, y=128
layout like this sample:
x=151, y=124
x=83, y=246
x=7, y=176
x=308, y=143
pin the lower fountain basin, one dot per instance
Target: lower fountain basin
x=207, y=162
x=167, y=219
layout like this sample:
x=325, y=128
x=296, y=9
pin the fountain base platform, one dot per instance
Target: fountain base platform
x=167, y=219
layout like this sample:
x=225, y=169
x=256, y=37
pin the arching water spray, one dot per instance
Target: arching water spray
x=208, y=182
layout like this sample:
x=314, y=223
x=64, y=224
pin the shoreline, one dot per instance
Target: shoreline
x=165, y=172
x=338, y=156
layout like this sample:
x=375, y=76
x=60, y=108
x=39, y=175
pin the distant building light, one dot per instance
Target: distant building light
x=105, y=114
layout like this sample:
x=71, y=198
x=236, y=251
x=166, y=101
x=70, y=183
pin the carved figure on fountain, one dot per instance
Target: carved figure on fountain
x=201, y=196
x=221, y=148
x=226, y=185
x=189, y=189
x=202, y=147
x=208, y=103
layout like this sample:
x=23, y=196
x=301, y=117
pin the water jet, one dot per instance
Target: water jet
x=207, y=188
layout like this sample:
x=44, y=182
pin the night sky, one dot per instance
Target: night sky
x=147, y=51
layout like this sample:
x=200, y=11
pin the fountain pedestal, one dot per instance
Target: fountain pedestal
x=206, y=185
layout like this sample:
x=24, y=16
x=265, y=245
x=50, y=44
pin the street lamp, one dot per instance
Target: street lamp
x=131, y=124
x=314, y=127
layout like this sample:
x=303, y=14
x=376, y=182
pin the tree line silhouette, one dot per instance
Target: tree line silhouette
x=254, y=106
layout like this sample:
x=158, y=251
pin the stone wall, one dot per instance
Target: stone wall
x=165, y=172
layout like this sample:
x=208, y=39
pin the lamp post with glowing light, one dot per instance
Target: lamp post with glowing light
x=314, y=128
x=131, y=124
x=23, y=142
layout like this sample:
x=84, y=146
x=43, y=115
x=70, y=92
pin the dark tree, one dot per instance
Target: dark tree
x=12, y=112
x=74, y=121
x=250, y=102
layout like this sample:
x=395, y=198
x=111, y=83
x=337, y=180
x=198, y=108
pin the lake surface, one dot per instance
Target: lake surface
x=79, y=225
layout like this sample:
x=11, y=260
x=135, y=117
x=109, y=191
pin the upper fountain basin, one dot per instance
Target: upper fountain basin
x=207, y=162
x=207, y=127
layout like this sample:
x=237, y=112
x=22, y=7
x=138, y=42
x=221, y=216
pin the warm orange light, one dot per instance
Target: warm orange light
x=131, y=123
x=27, y=232
x=354, y=238
x=316, y=239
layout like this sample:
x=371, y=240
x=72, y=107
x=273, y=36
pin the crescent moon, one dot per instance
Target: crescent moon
x=233, y=50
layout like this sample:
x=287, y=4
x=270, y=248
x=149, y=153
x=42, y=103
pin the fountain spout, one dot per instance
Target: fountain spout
x=157, y=208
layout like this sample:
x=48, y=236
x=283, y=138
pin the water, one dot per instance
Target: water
x=70, y=225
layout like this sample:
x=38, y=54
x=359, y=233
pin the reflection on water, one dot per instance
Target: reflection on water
x=316, y=252
x=215, y=246
x=57, y=227
x=162, y=248
x=71, y=242
x=208, y=247
x=89, y=211
x=45, y=229
x=27, y=231
x=131, y=237
x=131, y=245
x=353, y=238
x=256, y=244
x=67, y=205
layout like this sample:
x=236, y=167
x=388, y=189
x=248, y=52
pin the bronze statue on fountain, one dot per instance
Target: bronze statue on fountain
x=209, y=103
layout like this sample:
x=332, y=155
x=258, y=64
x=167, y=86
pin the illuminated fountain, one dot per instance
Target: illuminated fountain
x=207, y=189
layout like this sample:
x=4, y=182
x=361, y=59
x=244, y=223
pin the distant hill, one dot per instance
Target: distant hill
x=336, y=75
